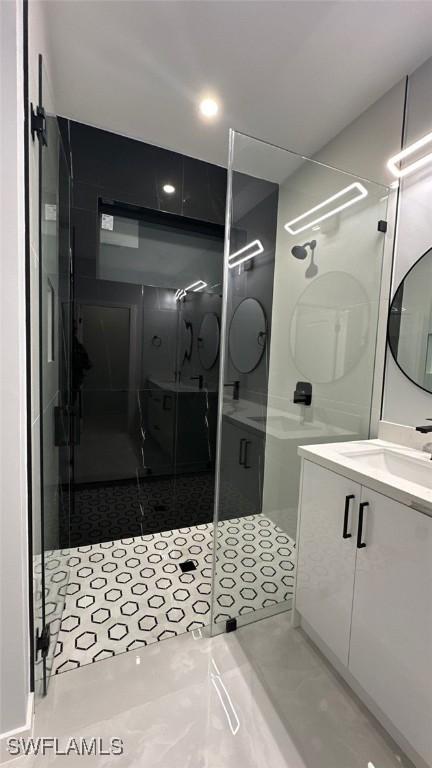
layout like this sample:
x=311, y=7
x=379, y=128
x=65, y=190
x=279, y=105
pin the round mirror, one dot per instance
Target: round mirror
x=330, y=327
x=208, y=340
x=247, y=335
x=410, y=323
x=186, y=341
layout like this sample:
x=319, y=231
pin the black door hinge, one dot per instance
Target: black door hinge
x=43, y=641
x=382, y=226
x=38, y=124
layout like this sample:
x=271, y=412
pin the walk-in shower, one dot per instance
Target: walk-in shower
x=196, y=359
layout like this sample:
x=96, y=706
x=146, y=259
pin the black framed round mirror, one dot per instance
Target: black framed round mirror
x=247, y=335
x=208, y=340
x=186, y=341
x=409, y=331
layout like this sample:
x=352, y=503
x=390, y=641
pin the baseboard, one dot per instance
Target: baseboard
x=21, y=732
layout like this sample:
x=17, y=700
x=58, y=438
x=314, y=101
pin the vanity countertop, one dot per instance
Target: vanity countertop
x=404, y=474
x=179, y=387
x=279, y=424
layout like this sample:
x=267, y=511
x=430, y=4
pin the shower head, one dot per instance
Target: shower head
x=300, y=252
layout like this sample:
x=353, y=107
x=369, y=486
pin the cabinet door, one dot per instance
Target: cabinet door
x=253, y=468
x=391, y=637
x=326, y=565
x=241, y=475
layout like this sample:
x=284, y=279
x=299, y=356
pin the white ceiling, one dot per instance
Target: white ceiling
x=293, y=73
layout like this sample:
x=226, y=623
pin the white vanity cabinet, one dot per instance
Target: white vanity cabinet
x=369, y=597
x=326, y=565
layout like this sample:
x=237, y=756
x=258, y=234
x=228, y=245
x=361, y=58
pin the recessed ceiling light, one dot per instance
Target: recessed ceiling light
x=168, y=189
x=209, y=107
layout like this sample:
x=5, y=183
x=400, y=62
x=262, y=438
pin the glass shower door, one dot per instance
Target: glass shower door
x=52, y=508
x=303, y=260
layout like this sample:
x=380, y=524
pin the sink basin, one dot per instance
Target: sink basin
x=415, y=470
x=283, y=423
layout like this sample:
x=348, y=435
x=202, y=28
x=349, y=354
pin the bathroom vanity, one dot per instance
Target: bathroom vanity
x=364, y=579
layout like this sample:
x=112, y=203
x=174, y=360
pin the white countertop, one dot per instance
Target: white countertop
x=341, y=458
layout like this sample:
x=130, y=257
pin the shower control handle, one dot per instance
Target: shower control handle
x=348, y=499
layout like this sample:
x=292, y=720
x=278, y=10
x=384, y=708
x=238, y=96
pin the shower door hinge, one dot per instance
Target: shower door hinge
x=382, y=226
x=231, y=625
x=38, y=124
x=43, y=641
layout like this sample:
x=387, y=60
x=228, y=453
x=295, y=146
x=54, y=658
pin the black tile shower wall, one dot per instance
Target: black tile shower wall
x=110, y=450
x=108, y=166
x=122, y=169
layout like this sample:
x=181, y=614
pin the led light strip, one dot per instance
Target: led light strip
x=197, y=286
x=399, y=173
x=255, y=247
x=362, y=192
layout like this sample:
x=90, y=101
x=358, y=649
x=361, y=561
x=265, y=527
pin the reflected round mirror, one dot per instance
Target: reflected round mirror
x=247, y=335
x=186, y=341
x=208, y=340
x=330, y=327
x=410, y=323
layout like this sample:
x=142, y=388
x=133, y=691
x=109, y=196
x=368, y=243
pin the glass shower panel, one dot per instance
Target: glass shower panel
x=197, y=372
x=303, y=268
x=51, y=526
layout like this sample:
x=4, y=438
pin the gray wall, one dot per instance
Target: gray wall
x=405, y=403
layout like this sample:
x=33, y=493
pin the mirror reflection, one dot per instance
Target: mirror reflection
x=330, y=327
x=187, y=340
x=410, y=323
x=208, y=340
x=247, y=335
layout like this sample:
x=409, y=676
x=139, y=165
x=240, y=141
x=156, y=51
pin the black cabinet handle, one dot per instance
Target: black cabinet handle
x=245, y=463
x=166, y=403
x=360, y=543
x=348, y=499
x=241, y=459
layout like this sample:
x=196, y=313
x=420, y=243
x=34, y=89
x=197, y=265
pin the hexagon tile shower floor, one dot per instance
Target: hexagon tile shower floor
x=125, y=594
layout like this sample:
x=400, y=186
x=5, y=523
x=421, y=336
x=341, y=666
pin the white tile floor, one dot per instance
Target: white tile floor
x=261, y=697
